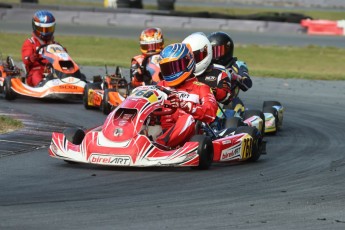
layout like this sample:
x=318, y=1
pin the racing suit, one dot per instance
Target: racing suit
x=34, y=67
x=200, y=104
x=217, y=77
x=145, y=70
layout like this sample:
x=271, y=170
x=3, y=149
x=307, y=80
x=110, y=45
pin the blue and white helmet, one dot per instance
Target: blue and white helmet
x=176, y=63
x=43, y=24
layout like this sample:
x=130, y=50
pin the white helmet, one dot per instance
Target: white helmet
x=202, y=50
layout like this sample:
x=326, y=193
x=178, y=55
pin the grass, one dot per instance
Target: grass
x=312, y=62
x=8, y=124
x=316, y=14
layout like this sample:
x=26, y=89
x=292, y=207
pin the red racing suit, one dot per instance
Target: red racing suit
x=179, y=127
x=33, y=67
x=145, y=70
x=218, y=78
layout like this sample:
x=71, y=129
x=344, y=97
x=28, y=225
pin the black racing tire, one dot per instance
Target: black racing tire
x=254, y=112
x=270, y=109
x=87, y=87
x=205, y=151
x=74, y=135
x=270, y=104
x=105, y=106
x=7, y=91
x=257, y=140
x=233, y=122
x=83, y=77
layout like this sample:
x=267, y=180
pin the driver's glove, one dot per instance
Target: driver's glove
x=174, y=99
x=176, y=102
x=236, y=77
x=187, y=106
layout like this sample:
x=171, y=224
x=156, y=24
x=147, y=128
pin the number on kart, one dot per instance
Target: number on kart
x=144, y=93
x=247, y=148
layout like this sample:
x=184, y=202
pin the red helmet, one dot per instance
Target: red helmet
x=151, y=41
x=43, y=25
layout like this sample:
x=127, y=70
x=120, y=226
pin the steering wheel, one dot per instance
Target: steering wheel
x=170, y=110
x=38, y=53
x=164, y=90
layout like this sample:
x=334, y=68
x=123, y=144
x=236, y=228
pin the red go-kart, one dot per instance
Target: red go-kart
x=127, y=138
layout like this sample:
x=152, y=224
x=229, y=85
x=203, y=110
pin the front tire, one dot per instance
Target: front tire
x=74, y=135
x=8, y=93
x=205, y=151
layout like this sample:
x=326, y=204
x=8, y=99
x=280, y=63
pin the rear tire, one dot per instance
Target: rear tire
x=257, y=140
x=8, y=93
x=105, y=106
x=205, y=151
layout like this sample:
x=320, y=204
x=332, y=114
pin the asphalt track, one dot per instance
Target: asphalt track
x=299, y=184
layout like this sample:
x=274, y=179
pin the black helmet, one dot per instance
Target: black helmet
x=222, y=48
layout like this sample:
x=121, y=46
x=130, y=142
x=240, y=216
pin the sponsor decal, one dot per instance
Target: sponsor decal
x=118, y=132
x=68, y=87
x=210, y=78
x=230, y=153
x=226, y=142
x=198, y=83
x=183, y=95
x=109, y=160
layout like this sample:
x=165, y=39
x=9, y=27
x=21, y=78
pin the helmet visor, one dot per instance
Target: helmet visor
x=173, y=67
x=44, y=30
x=200, y=55
x=219, y=51
x=149, y=47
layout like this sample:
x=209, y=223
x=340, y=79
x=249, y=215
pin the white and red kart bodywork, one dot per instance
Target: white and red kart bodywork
x=120, y=141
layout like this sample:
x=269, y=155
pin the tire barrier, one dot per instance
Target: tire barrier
x=324, y=27
x=141, y=18
x=268, y=16
x=123, y=4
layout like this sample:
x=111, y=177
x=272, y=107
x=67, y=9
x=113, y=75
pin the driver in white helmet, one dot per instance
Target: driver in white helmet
x=215, y=76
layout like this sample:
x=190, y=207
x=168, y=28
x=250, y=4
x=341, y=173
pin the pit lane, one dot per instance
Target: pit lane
x=299, y=184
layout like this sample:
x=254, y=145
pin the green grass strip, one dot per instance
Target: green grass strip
x=9, y=124
x=309, y=62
